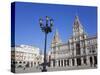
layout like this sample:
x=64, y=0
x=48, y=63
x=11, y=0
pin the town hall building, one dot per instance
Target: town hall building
x=79, y=51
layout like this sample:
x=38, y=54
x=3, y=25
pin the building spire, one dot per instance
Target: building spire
x=56, y=38
x=77, y=22
x=77, y=27
x=56, y=34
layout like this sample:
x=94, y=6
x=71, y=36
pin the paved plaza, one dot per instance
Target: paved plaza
x=49, y=69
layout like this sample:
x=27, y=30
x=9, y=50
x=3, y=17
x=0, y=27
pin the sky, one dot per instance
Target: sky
x=27, y=29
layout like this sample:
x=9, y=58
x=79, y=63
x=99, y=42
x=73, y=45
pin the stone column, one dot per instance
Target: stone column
x=60, y=63
x=86, y=47
x=93, y=60
x=66, y=63
x=51, y=63
x=82, y=61
x=30, y=63
x=63, y=63
x=56, y=63
x=75, y=59
x=70, y=62
x=88, y=60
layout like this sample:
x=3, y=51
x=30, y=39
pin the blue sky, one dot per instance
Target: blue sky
x=27, y=29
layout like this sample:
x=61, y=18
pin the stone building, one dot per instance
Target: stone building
x=79, y=50
x=25, y=56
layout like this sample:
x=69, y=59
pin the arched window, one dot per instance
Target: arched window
x=73, y=62
x=54, y=62
x=91, y=62
x=78, y=61
x=84, y=58
x=68, y=62
x=59, y=63
x=64, y=62
x=78, y=49
x=95, y=60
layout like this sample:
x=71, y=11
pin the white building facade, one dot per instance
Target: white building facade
x=79, y=50
x=26, y=56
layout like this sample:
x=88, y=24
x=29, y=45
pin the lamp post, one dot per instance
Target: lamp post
x=46, y=29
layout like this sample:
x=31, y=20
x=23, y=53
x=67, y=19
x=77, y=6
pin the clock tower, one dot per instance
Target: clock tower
x=77, y=27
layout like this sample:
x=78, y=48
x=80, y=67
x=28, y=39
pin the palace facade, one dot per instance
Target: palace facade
x=79, y=50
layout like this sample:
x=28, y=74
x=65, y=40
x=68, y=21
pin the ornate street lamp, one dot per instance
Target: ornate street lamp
x=46, y=29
